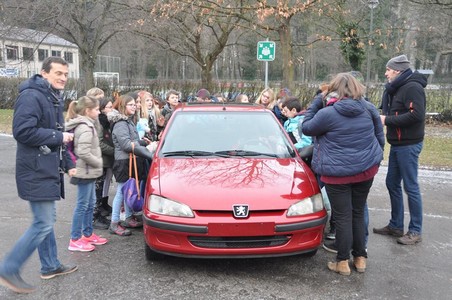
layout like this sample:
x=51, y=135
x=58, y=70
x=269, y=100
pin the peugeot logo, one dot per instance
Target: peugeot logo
x=240, y=210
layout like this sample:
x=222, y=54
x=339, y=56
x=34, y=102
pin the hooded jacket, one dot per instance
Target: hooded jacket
x=349, y=136
x=125, y=133
x=86, y=147
x=37, y=127
x=405, y=118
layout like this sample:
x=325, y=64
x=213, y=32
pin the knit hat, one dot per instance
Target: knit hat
x=399, y=63
x=203, y=93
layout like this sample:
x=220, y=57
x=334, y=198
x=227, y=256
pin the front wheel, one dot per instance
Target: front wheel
x=151, y=254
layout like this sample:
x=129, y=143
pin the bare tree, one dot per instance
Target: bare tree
x=87, y=24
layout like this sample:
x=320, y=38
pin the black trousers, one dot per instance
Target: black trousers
x=347, y=204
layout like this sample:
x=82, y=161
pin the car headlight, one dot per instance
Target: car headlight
x=163, y=206
x=306, y=206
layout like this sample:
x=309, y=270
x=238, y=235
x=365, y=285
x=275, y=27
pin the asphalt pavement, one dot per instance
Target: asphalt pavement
x=118, y=270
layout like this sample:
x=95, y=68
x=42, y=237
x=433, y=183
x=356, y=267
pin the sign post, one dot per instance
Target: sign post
x=266, y=52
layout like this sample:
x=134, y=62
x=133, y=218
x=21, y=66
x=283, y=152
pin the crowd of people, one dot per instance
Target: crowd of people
x=343, y=129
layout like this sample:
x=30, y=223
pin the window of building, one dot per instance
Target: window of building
x=11, y=52
x=68, y=56
x=43, y=54
x=56, y=53
x=28, y=54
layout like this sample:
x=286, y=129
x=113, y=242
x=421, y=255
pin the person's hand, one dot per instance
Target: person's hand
x=67, y=137
x=72, y=172
x=161, y=121
x=148, y=141
x=382, y=118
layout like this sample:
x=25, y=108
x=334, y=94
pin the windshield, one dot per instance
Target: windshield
x=226, y=134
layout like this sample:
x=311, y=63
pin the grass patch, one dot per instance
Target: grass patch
x=6, y=120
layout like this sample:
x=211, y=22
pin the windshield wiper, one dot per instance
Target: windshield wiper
x=192, y=153
x=244, y=153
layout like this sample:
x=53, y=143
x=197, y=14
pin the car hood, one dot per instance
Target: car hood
x=217, y=184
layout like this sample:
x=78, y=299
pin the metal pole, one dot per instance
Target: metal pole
x=372, y=4
x=369, y=48
x=266, y=74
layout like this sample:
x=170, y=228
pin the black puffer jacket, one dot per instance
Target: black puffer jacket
x=106, y=141
x=405, y=120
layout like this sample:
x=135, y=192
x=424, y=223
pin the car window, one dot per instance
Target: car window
x=225, y=132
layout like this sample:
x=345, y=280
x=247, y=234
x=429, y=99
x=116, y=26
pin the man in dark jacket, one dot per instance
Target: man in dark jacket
x=40, y=164
x=403, y=108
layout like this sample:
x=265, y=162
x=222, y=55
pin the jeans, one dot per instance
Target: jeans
x=403, y=166
x=348, y=202
x=82, y=221
x=118, y=201
x=39, y=235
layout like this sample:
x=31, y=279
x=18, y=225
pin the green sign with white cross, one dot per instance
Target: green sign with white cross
x=265, y=51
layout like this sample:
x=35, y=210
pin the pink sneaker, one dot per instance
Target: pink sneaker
x=80, y=245
x=94, y=239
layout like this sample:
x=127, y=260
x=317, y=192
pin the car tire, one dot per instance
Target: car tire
x=151, y=254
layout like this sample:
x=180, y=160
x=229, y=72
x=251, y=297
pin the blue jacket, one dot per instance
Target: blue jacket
x=349, y=136
x=38, y=121
x=291, y=127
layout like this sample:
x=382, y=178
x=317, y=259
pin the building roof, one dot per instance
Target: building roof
x=31, y=35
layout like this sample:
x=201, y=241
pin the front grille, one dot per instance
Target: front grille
x=239, y=242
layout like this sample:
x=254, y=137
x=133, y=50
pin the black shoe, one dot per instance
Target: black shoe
x=388, y=231
x=62, y=270
x=330, y=246
x=331, y=235
x=16, y=284
x=104, y=211
x=101, y=223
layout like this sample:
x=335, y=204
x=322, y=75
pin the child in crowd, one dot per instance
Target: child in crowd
x=291, y=109
x=85, y=112
x=125, y=134
x=172, y=100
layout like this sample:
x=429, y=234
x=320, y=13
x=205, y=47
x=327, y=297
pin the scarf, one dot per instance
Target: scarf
x=391, y=88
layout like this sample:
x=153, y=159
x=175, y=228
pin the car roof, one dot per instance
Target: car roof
x=217, y=106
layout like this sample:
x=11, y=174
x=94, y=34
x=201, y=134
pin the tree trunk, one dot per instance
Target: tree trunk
x=88, y=63
x=286, y=53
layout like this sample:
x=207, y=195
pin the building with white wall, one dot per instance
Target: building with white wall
x=22, y=52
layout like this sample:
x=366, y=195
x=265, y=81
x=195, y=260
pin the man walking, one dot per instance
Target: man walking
x=403, y=108
x=40, y=163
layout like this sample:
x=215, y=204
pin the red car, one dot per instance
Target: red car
x=226, y=182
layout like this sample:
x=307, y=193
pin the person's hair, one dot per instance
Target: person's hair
x=346, y=86
x=95, y=92
x=80, y=106
x=239, y=98
x=271, y=99
x=291, y=103
x=142, y=98
x=122, y=103
x=47, y=63
x=103, y=102
x=171, y=92
x=116, y=96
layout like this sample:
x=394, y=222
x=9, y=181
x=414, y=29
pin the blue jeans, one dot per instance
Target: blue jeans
x=82, y=221
x=348, y=202
x=118, y=201
x=39, y=235
x=403, y=166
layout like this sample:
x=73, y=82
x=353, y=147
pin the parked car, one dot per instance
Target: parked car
x=226, y=182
